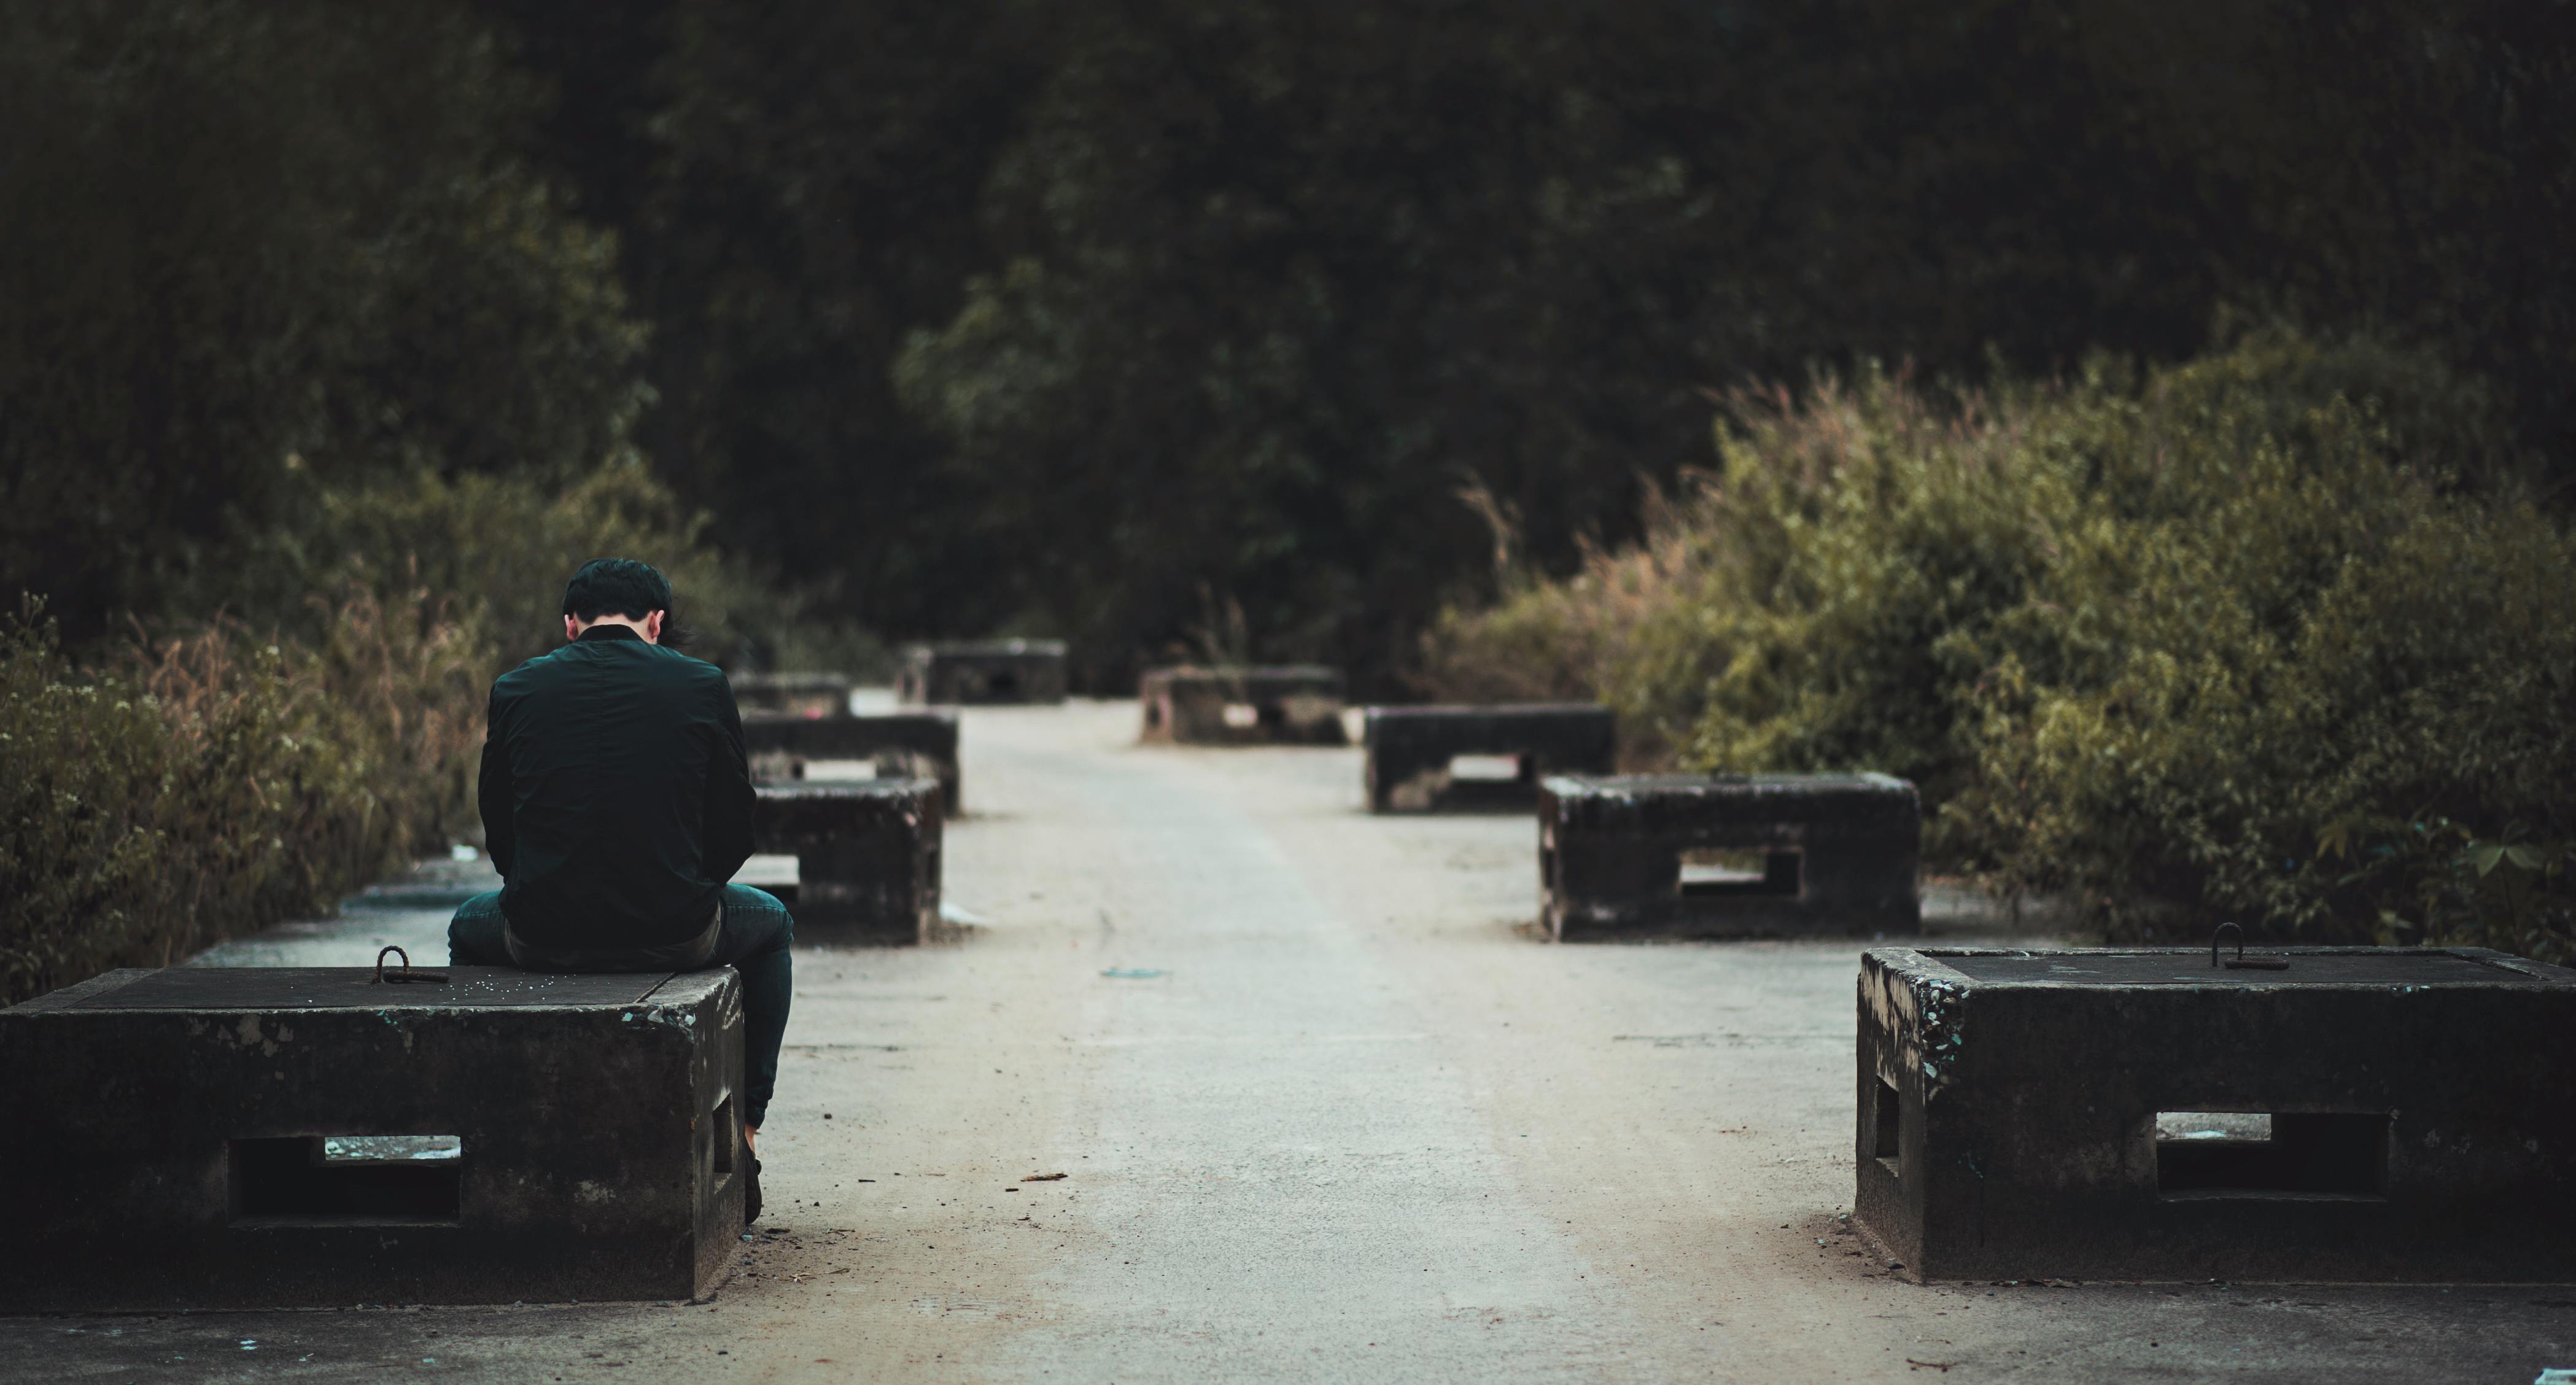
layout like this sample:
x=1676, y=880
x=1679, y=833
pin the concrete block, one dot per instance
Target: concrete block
x=1413, y=753
x=1294, y=704
x=253, y=1137
x=983, y=671
x=2364, y=1114
x=794, y=694
x=1728, y=856
x=900, y=745
x=867, y=856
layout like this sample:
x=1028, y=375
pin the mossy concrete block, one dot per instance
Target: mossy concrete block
x=1412, y=751
x=867, y=856
x=983, y=671
x=1289, y=704
x=914, y=744
x=254, y=1137
x=1728, y=856
x=2361, y=1114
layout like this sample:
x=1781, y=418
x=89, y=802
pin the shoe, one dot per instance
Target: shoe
x=750, y=1184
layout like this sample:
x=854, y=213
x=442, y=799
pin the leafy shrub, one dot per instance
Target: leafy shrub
x=2230, y=639
x=216, y=781
x=2331, y=699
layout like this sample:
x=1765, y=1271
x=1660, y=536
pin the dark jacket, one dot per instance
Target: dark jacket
x=616, y=798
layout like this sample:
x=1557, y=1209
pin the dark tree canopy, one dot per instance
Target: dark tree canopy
x=1182, y=300
x=1098, y=320
x=248, y=239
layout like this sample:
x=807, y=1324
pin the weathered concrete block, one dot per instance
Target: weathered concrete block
x=901, y=745
x=1295, y=704
x=867, y=855
x=795, y=694
x=983, y=671
x=1413, y=752
x=1728, y=856
x=2364, y=1114
x=224, y=1137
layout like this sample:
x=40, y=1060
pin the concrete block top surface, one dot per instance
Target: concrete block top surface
x=1503, y=727
x=1727, y=786
x=910, y=716
x=1818, y=805
x=810, y=791
x=2365, y=968
x=269, y=989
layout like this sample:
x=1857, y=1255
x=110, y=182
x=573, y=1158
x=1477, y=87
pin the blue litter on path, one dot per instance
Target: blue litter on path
x=1134, y=973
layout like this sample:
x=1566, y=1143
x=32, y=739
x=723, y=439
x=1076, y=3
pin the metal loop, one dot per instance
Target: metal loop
x=406, y=975
x=2241, y=962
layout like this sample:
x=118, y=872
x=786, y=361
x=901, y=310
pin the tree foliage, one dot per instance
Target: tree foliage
x=248, y=240
x=1010, y=315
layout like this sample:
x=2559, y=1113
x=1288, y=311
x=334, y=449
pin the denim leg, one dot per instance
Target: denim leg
x=755, y=941
x=474, y=935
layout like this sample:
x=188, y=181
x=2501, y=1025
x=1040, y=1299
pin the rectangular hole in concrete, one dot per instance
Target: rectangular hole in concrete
x=2271, y=1154
x=1485, y=769
x=1242, y=716
x=1883, y=1137
x=346, y=1179
x=1717, y=871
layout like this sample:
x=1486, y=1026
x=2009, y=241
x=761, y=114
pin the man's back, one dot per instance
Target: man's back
x=615, y=795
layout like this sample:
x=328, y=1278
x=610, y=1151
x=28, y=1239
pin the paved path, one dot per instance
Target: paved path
x=1360, y=1126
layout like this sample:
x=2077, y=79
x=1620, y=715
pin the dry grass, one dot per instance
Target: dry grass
x=211, y=781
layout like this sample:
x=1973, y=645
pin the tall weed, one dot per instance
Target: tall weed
x=211, y=782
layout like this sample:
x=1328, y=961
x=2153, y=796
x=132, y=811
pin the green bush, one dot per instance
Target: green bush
x=2228, y=640
x=2330, y=699
x=217, y=781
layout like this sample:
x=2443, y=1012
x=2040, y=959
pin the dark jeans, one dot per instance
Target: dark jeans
x=753, y=941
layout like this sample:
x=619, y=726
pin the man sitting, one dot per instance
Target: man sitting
x=616, y=803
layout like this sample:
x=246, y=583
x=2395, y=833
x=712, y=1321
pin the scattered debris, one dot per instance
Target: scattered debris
x=1133, y=973
x=1043, y=1178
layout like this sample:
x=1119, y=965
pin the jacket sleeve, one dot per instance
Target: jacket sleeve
x=494, y=793
x=730, y=798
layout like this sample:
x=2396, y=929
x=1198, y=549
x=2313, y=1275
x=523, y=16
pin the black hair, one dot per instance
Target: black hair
x=617, y=586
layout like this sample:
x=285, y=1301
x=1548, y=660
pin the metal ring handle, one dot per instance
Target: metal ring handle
x=405, y=975
x=2214, y=940
x=2241, y=962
